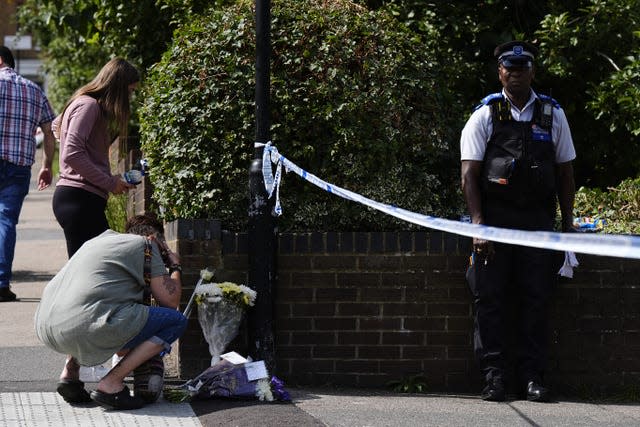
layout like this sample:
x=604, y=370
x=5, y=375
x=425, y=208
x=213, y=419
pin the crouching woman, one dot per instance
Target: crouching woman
x=94, y=307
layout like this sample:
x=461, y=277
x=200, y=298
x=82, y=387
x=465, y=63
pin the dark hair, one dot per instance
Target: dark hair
x=7, y=56
x=144, y=225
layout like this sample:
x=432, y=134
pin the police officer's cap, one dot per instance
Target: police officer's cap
x=516, y=54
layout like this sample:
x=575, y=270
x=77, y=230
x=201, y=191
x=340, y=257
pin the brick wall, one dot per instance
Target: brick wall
x=362, y=309
x=366, y=308
x=596, y=328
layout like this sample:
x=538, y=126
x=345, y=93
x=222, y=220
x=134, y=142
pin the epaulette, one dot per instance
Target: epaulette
x=489, y=99
x=546, y=98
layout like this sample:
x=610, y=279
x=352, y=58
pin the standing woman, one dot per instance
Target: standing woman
x=97, y=113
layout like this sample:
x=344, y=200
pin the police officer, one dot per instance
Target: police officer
x=516, y=153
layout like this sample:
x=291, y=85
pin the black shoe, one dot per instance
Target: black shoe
x=120, y=400
x=73, y=391
x=537, y=393
x=6, y=295
x=494, y=391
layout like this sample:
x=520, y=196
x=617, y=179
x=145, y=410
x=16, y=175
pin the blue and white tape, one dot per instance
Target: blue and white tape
x=622, y=246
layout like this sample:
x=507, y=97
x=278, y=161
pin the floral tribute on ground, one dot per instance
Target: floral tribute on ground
x=221, y=307
x=233, y=376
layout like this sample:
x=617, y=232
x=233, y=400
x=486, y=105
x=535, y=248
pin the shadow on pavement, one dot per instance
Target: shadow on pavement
x=26, y=276
x=224, y=411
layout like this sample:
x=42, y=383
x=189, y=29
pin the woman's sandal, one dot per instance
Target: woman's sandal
x=72, y=391
x=119, y=400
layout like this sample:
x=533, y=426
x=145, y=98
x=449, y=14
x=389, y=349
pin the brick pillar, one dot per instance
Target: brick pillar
x=139, y=200
x=198, y=243
x=123, y=157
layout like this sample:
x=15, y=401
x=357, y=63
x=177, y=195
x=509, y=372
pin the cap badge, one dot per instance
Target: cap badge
x=517, y=50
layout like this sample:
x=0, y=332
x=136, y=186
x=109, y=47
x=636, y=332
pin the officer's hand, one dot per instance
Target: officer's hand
x=483, y=249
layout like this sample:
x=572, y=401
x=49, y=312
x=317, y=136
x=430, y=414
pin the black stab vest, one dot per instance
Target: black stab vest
x=519, y=163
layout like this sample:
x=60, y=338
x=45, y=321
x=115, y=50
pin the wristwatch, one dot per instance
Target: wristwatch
x=175, y=267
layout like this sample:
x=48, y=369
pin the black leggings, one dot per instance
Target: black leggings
x=81, y=215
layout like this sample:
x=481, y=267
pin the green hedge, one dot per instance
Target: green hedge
x=355, y=99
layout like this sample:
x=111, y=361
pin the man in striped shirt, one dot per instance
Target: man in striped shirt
x=23, y=107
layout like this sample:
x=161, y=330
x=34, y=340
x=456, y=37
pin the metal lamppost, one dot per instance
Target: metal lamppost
x=261, y=228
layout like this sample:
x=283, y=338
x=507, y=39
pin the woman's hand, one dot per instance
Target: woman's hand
x=122, y=187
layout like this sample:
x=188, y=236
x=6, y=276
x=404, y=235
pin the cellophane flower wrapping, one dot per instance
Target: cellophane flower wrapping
x=225, y=379
x=220, y=323
x=221, y=307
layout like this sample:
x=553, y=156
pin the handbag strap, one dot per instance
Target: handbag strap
x=147, y=262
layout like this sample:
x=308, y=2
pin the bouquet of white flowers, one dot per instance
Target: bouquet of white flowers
x=220, y=310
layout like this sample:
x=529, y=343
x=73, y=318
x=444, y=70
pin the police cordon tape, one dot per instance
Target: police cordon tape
x=622, y=246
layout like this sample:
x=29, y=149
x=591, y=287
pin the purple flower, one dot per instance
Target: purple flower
x=277, y=385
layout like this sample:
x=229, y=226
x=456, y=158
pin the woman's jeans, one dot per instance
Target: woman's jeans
x=14, y=186
x=164, y=326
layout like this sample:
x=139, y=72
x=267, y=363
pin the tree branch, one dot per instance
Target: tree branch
x=609, y=59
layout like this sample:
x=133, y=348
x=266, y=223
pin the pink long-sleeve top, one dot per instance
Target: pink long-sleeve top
x=83, y=132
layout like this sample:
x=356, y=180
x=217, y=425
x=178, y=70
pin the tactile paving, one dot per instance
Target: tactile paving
x=35, y=409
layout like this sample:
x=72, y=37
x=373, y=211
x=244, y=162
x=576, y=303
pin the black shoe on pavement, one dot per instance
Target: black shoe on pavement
x=119, y=400
x=537, y=393
x=6, y=295
x=73, y=391
x=494, y=390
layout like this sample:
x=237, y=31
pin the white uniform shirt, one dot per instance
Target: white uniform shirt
x=479, y=127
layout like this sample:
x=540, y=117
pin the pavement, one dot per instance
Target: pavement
x=29, y=373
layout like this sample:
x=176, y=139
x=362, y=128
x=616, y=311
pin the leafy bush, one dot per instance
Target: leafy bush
x=78, y=37
x=116, y=212
x=591, y=51
x=355, y=99
x=618, y=206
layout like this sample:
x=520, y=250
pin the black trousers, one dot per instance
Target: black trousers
x=516, y=275
x=80, y=213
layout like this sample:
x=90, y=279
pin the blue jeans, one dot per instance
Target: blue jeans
x=14, y=186
x=164, y=326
